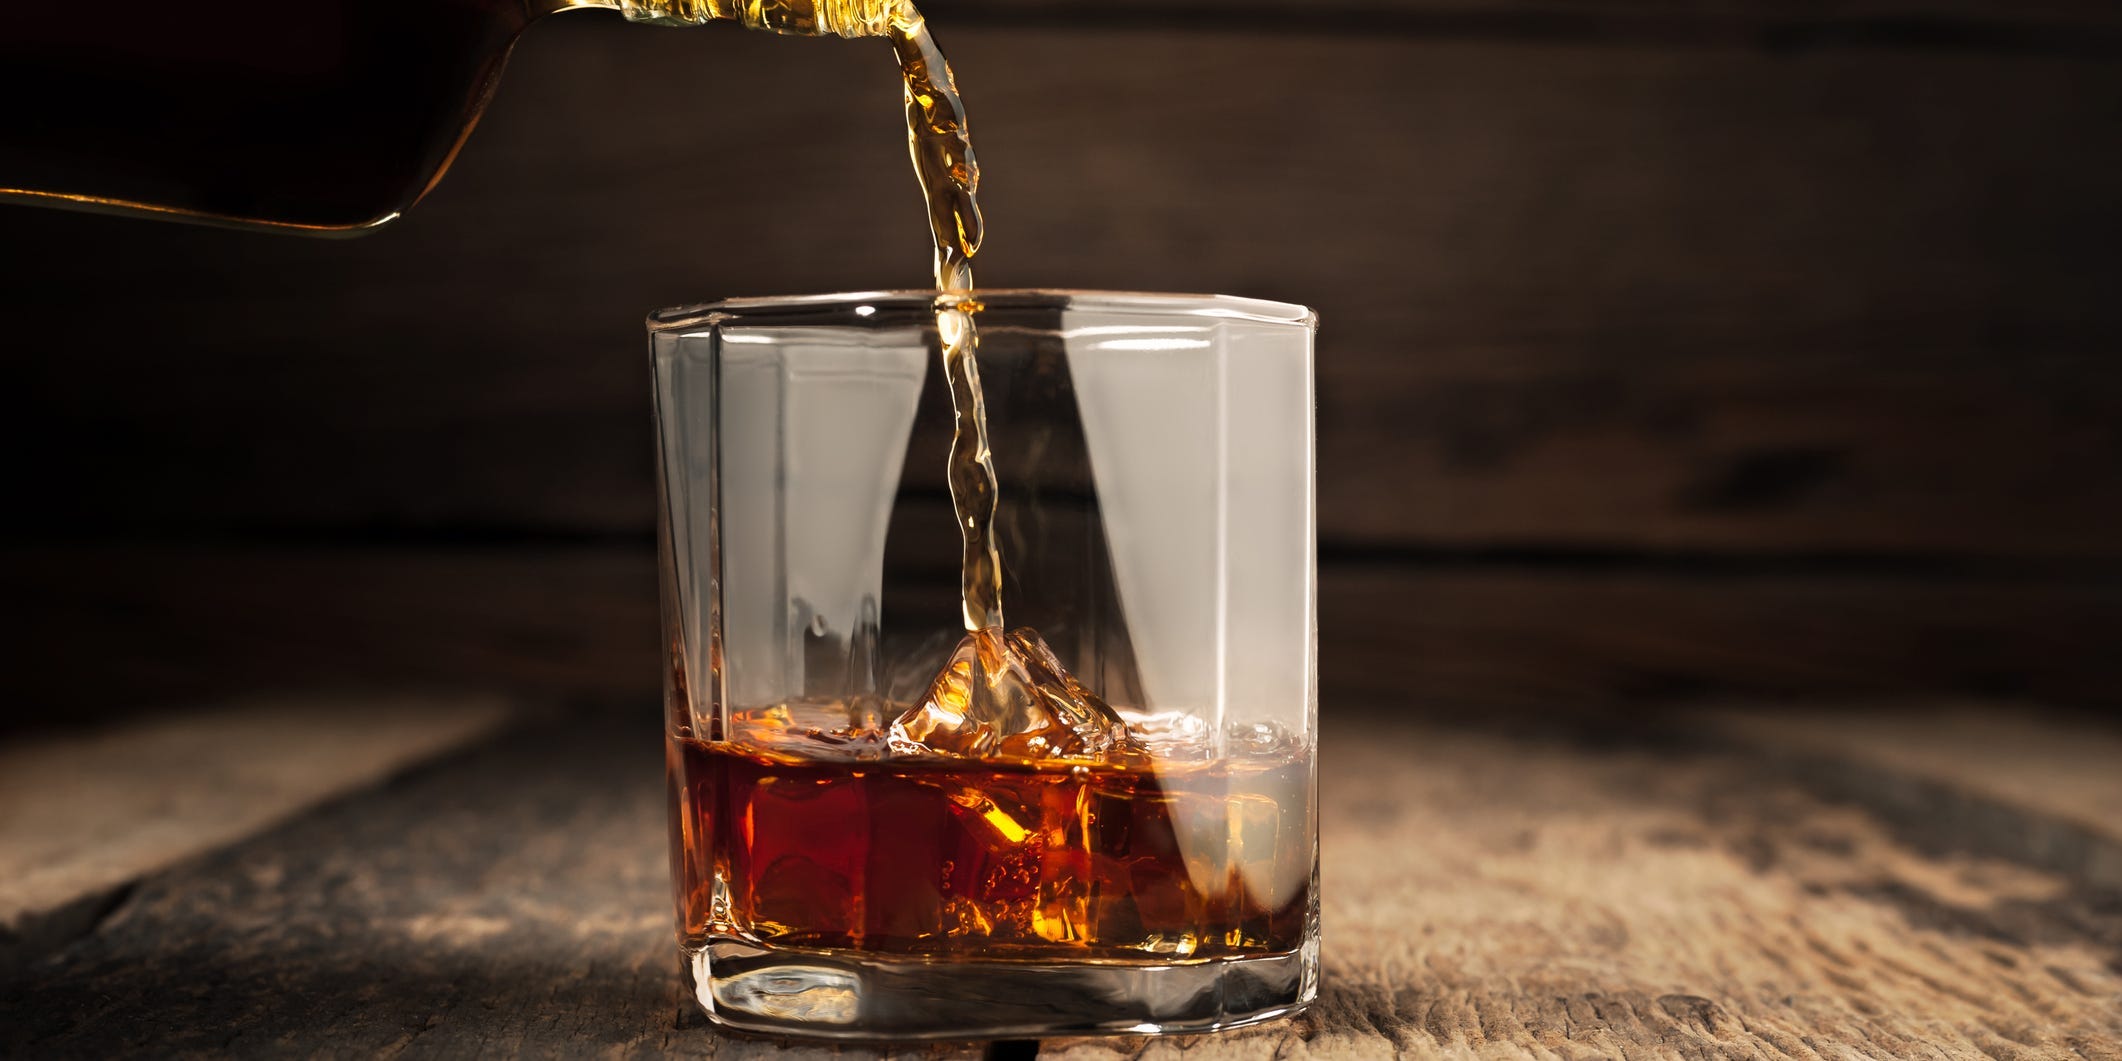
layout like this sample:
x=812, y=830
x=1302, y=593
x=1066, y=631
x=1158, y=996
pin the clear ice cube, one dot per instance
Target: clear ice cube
x=1005, y=696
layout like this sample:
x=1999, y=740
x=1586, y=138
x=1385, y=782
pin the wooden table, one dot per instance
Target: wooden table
x=1716, y=883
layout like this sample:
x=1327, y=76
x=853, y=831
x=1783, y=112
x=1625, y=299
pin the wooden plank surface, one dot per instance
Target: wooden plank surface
x=1489, y=893
x=575, y=622
x=1966, y=769
x=1542, y=638
x=2084, y=28
x=2090, y=12
x=1848, y=301
x=197, y=621
x=85, y=814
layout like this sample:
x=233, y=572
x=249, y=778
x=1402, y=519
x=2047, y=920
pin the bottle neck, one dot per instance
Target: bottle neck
x=807, y=18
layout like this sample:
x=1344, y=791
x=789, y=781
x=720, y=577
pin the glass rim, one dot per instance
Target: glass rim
x=894, y=304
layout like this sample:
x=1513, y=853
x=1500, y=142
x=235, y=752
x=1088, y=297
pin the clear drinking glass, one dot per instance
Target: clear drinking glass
x=1154, y=459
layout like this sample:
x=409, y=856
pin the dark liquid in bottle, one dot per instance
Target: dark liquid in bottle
x=324, y=114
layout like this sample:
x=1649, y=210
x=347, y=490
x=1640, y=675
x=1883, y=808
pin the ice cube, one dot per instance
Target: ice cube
x=1005, y=696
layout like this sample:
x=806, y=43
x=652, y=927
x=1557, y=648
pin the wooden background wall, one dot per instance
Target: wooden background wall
x=1762, y=346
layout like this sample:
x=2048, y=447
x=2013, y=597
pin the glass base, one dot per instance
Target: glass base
x=846, y=995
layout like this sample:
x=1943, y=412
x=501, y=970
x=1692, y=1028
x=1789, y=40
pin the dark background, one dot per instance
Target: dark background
x=1669, y=351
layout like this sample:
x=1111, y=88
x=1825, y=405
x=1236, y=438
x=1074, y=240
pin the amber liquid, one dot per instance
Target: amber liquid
x=942, y=147
x=787, y=842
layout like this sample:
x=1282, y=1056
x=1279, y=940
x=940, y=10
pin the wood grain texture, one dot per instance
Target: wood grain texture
x=196, y=621
x=1968, y=770
x=561, y=623
x=2066, y=11
x=1514, y=897
x=1851, y=301
x=2083, y=28
x=84, y=815
x=1488, y=894
x=1542, y=639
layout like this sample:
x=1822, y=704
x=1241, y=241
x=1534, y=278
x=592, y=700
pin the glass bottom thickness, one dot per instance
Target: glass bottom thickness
x=852, y=996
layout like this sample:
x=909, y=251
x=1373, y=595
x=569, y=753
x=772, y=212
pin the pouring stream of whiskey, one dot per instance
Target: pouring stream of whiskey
x=1002, y=693
x=942, y=149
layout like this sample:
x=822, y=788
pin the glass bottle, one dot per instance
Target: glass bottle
x=327, y=117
